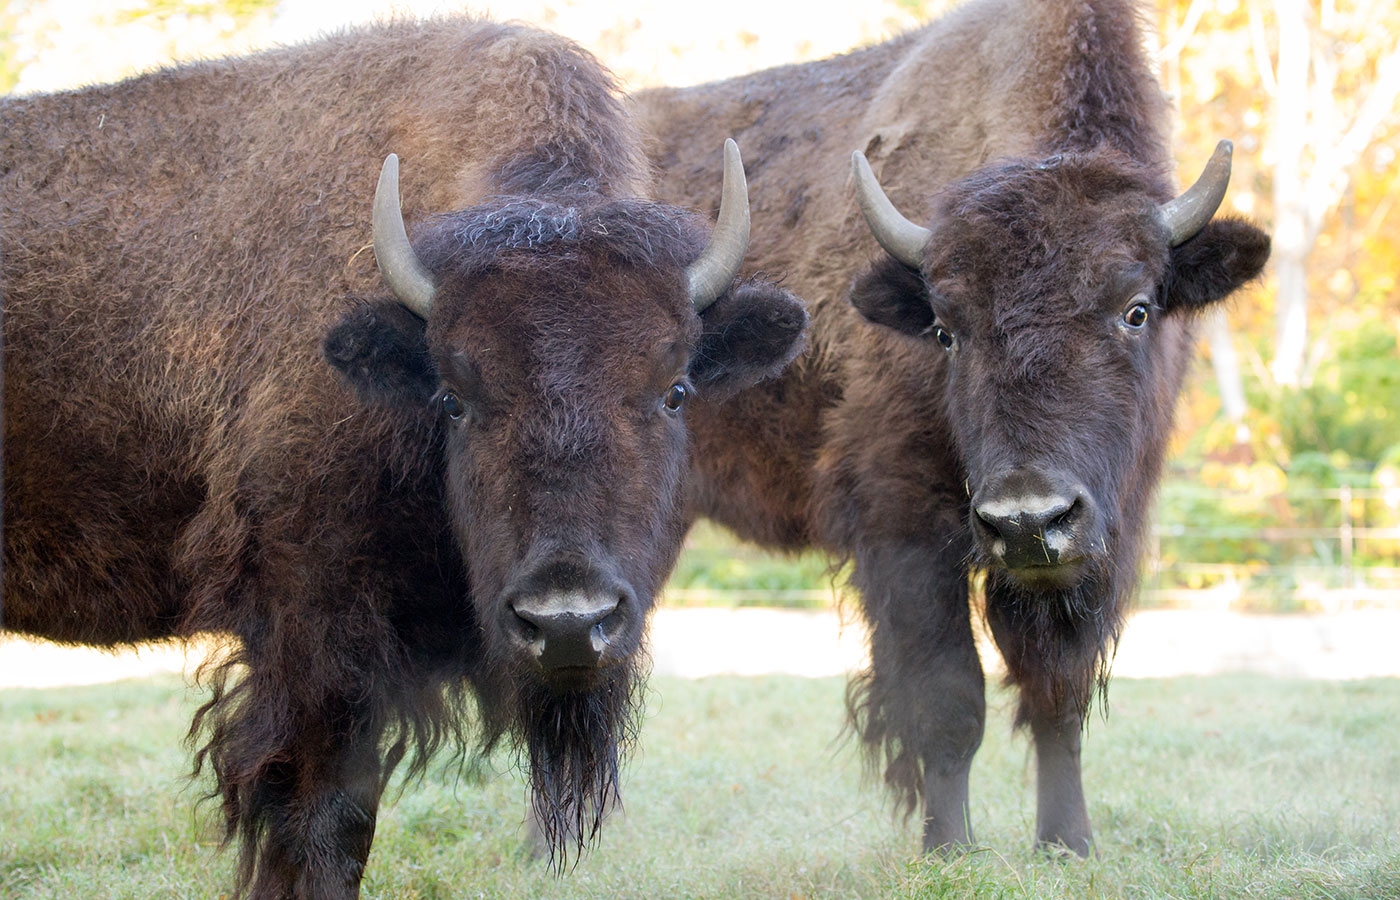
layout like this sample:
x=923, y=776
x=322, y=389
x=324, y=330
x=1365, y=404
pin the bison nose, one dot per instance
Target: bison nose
x=1028, y=521
x=567, y=629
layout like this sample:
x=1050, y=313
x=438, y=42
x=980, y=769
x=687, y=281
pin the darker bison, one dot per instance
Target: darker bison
x=992, y=396
x=440, y=506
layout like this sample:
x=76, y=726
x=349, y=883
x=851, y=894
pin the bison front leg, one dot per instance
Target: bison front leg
x=1053, y=662
x=1062, y=819
x=922, y=704
x=321, y=810
x=300, y=778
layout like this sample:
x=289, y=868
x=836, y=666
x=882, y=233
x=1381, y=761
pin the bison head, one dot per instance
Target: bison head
x=556, y=342
x=1057, y=295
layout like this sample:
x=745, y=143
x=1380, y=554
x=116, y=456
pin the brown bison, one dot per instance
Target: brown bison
x=471, y=506
x=991, y=396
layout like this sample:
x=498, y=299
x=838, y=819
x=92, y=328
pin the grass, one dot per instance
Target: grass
x=1199, y=787
x=718, y=569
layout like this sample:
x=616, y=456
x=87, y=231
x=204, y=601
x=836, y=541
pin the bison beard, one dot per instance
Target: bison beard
x=574, y=743
x=1066, y=638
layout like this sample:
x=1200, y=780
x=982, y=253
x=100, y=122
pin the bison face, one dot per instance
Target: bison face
x=1058, y=309
x=557, y=359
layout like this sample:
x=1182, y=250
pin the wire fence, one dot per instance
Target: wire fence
x=1290, y=550
x=1323, y=550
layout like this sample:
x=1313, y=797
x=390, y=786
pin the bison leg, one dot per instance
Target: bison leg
x=923, y=701
x=300, y=783
x=319, y=817
x=1062, y=819
x=1053, y=665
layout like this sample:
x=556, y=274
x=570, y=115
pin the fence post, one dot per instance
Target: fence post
x=1348, y=542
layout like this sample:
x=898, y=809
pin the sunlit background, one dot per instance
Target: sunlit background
x=1276, y=550
x=56, y=44
x=1284, y=489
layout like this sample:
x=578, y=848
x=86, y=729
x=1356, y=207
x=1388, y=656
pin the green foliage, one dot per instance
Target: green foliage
x=1311, y=504
x=1273, y=541
x=1351, y=409
x=717, y=569
x=1218, y=787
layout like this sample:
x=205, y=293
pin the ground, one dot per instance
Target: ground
x=1221, y=786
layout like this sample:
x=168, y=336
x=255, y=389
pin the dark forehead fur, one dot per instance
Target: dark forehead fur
x=577, y=294
x=1018, y=191
x=1045, y=237
x=569, y=228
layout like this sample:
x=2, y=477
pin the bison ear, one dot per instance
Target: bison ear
x=894, y=295
x=750, y=333
x=382, y=350
x=1225, y=255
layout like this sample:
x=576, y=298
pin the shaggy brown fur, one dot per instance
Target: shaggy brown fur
x=183, y=255
x=1031, y=136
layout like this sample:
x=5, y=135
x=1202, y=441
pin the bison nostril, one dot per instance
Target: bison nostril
x=1061, y=517
x=1030, y=530
x=611, y=625
x=568, y=628
x=1077, y=516
x=987, y=521
x=528, y=629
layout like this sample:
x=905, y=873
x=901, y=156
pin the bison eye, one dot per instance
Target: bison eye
x=944, y=337
x=675, y=396
x=452, y=406
x=1135, y=316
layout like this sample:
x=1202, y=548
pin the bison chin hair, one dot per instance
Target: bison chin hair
x=1064, y=639
x=574, y=744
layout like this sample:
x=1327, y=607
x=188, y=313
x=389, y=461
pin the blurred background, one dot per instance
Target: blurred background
x=1284, y=488
x=1276, y=547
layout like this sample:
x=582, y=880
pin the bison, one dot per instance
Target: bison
x=421, y=514
x=982, y=411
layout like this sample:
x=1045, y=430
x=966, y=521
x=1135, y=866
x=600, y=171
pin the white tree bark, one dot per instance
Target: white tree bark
x=1309, y=125
x=1290, y=141
x=1227, y=370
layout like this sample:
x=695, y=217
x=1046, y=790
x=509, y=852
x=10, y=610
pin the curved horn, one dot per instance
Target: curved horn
x=710, y=275
x=900, y=237
x=1189, y=213
x=403, y=272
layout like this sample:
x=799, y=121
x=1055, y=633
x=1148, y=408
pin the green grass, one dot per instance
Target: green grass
x=1199, y=788
x=718, y=569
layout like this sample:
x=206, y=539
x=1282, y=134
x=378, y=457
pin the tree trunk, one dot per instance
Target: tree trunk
x=1227, y=371
x=1290, y=248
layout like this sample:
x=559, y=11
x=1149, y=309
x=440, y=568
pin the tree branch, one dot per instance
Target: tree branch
x=1268, y=80
x=1328, y=180
x=1183, y=34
